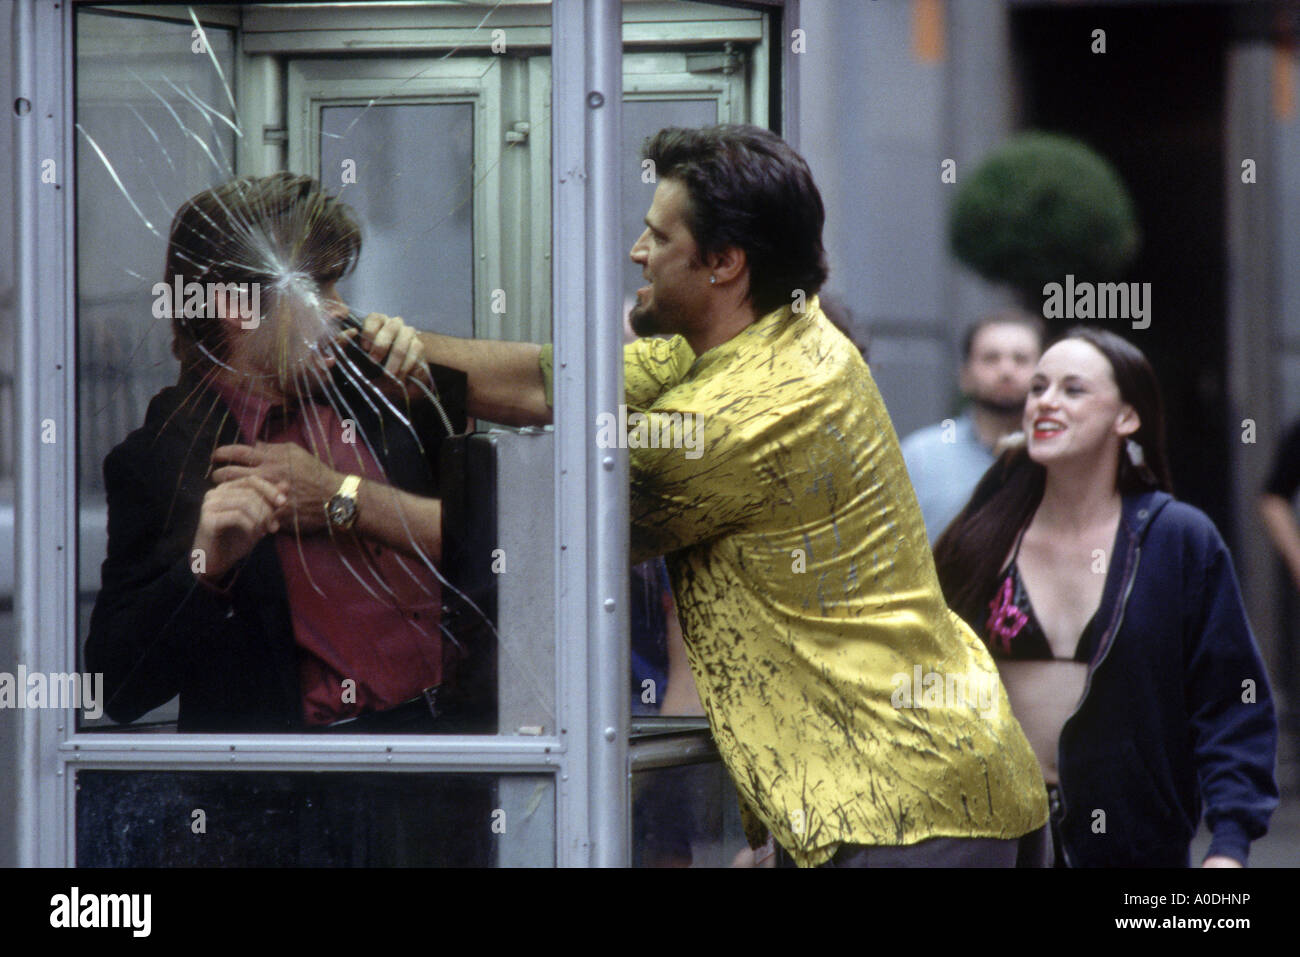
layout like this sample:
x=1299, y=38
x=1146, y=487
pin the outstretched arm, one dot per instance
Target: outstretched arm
x=505, y=379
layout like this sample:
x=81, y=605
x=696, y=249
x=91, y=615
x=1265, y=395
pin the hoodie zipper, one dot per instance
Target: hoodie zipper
x=1123, y=606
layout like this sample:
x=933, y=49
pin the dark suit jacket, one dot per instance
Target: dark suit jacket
x=155, y=631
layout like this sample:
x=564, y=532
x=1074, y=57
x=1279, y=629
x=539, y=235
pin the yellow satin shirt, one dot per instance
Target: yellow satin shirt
x=849, y=704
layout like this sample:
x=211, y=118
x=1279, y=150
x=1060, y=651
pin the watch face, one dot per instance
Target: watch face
x=341, y=511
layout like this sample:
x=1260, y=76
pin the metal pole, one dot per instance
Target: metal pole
x=790, y=21
x=45, y=426
x=26, y=437
x=607, y=513
x=568, y=225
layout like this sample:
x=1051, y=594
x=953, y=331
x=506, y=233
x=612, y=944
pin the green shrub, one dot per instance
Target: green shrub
x=1039, y=207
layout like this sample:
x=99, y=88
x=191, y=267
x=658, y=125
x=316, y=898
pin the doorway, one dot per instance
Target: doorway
x=1153, y=105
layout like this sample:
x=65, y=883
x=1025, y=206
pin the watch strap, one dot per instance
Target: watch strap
x=349, y=487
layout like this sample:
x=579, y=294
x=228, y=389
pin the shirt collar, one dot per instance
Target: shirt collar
x=760, y=334
x=250, y=411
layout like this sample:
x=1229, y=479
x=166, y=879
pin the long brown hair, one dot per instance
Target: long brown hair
x=969, y=554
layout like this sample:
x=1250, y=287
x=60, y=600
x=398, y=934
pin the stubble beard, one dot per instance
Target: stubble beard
x=1001, y=407
x=648, y=320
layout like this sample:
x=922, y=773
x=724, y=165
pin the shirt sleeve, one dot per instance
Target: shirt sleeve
x=650, y=368
x=1284, y=480
x=692, y=478
x=151, y=613
x=653, y=366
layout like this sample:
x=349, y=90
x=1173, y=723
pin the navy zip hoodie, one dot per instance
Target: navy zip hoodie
x=1176, y=710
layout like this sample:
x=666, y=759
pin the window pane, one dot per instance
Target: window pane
x=415, y=206
x=686, y=816
x=247, y=225
x=661, y=679
x=642, y=119
x=144, y=144
x=313, y=819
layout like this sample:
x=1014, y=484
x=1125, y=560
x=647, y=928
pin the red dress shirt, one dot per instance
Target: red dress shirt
x=361, y=611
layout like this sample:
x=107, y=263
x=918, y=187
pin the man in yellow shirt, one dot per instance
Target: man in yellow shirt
x=860, y=719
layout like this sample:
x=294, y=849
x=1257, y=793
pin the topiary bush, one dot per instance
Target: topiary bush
x=1042, y=206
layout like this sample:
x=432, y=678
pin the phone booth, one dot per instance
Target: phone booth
x=490, y=154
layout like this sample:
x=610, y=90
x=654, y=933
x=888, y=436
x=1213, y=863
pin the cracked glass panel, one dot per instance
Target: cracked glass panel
x=414, y=252
x=287, y=521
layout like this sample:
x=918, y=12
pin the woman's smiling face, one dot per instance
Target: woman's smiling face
x=1074, y=410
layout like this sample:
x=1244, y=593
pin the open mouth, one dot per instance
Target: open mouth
x=1046, y=428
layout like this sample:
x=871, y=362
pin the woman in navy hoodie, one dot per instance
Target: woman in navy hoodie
x=1133, y=670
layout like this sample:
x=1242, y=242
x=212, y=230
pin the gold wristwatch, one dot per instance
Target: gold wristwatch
x=341, y=510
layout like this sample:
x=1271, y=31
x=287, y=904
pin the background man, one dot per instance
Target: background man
x=946, y=460
x=797, y=556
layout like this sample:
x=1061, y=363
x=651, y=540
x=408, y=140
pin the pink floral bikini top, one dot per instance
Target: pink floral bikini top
x=1012, y=630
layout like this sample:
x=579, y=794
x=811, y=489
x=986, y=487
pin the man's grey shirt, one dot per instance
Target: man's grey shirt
x=945, y=462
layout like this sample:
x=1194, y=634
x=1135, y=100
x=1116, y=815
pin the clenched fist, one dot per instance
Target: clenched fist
x=234, y=517
x=307, y=482
x=394, y=345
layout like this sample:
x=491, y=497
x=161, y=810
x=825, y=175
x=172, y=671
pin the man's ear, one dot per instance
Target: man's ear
x=728, y=264
x=1128, y=422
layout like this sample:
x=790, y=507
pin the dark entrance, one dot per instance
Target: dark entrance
x=1153, y=105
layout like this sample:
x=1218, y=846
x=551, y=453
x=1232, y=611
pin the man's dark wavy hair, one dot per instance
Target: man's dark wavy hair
x=749, y=189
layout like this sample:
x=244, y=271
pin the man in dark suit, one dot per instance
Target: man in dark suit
x=274, y=526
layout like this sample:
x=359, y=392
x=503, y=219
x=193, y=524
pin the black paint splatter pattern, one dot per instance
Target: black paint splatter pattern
x=808, y=597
